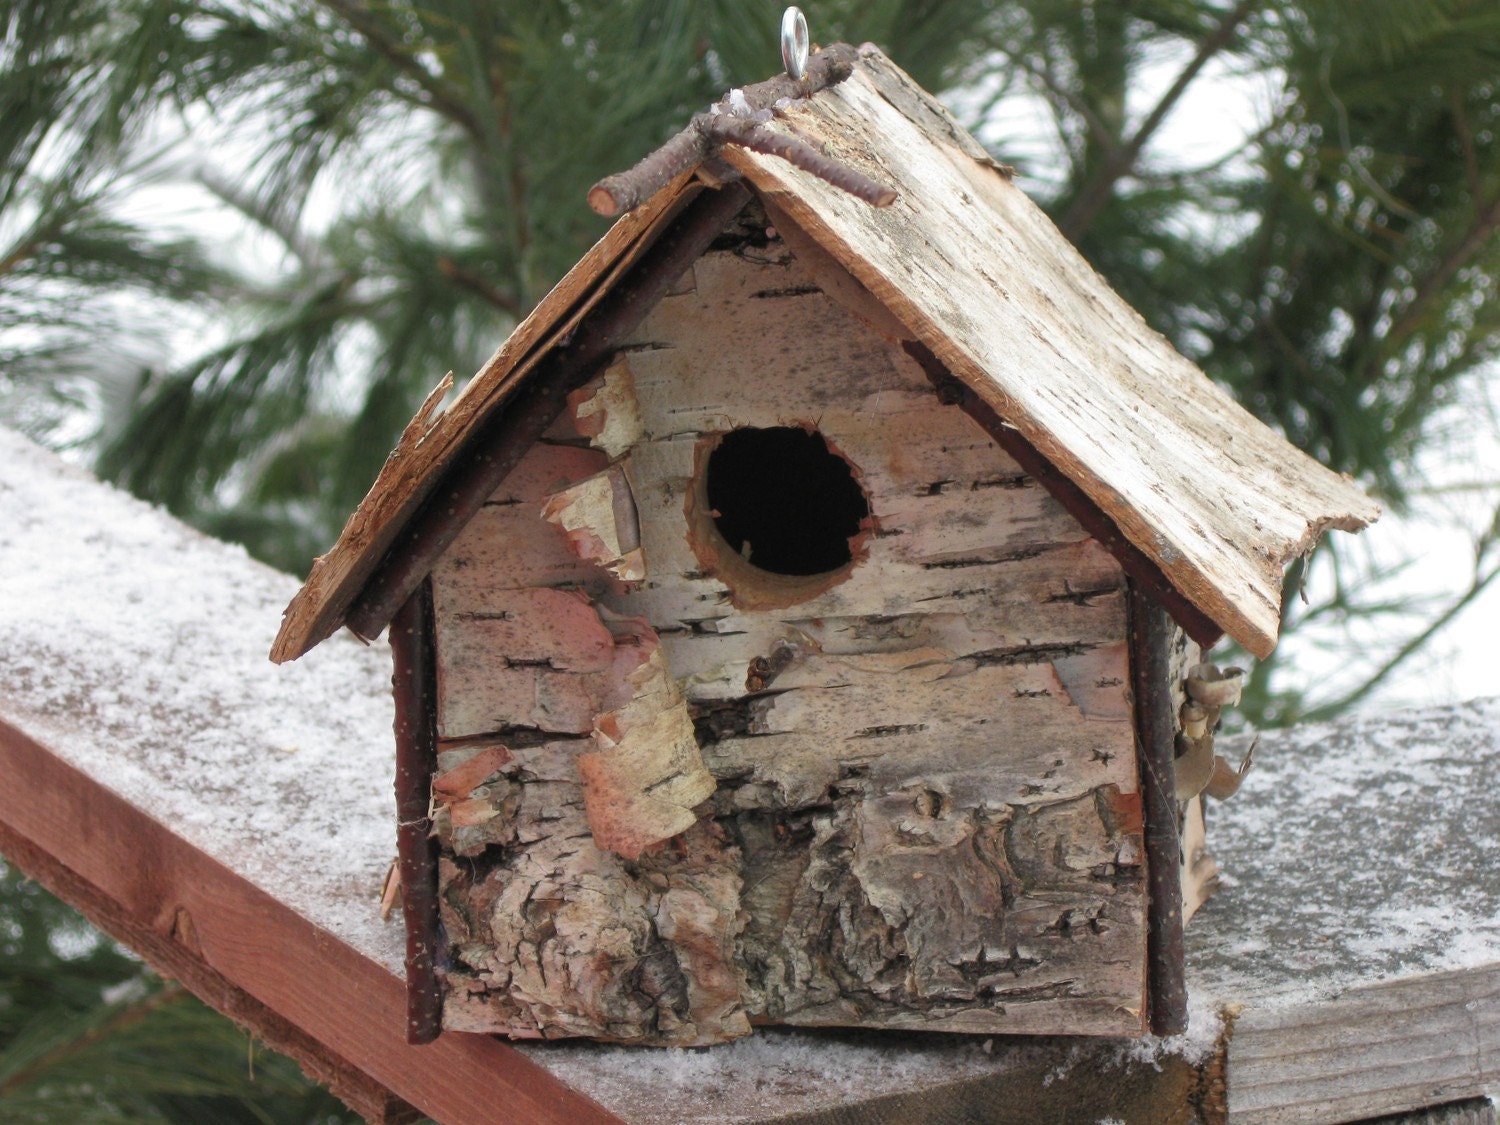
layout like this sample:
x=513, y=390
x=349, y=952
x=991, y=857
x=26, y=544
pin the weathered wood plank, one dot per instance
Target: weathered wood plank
x=1397, y=1046
x=1359, y=926
x=301, y=759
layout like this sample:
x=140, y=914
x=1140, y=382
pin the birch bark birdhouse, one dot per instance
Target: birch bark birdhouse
x=794, y=619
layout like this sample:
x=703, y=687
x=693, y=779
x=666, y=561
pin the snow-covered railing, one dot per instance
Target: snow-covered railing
x=233, y=821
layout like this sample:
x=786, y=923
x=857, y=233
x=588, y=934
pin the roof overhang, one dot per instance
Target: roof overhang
x=1214, y=500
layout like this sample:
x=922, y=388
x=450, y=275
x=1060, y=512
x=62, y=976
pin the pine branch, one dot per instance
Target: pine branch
x=1466, y=141
x=282, y=226
x=471, y=281
x=1068, y=97
x=441, y=98
x=1475, y=238
x=1096, y=192
x=125, y=1017
x=19, y=256
x=1480, y=583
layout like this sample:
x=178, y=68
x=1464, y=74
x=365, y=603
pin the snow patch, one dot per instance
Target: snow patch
x=136, y=649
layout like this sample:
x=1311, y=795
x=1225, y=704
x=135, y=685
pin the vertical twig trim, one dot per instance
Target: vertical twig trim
x=1150, y=674
x=414, y=684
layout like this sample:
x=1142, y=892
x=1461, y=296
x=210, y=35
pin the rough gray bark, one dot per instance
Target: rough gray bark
x=927, y=817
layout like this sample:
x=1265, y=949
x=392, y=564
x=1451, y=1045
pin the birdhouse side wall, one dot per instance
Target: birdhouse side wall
x=922, y=805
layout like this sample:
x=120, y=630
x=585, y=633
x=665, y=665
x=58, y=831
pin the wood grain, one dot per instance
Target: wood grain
x=1215, y=500
x=1397, y=1046
x=935, y=795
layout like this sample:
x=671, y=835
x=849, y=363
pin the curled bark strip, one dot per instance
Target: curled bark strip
x=624, y=191
x=1207, y=685
x=645, y=774
x=1226, y=780
x=798, y=153
x=1199, y=769
x=600, y=520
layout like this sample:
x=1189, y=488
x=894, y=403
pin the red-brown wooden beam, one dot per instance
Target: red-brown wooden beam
x=296, y=986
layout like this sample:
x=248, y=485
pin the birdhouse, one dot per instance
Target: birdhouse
x=798, y=620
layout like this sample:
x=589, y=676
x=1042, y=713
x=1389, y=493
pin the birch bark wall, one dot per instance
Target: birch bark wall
x=911, y=799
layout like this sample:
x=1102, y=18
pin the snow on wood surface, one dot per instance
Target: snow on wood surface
x=1356, y=852
x=135, y=649
x=1360, y=926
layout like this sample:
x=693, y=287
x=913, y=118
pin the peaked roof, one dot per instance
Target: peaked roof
x=978, y=275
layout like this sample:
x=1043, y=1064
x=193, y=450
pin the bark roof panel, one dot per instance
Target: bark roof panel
x=976, y=272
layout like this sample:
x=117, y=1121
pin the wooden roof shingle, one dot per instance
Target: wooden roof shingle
x=981, y=279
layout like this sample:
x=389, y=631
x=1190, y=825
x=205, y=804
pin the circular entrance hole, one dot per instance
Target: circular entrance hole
x=783, y=501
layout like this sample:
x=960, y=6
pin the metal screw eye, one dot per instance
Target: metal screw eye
x=794, y=43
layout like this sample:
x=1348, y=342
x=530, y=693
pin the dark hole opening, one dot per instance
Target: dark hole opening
x=785, y=494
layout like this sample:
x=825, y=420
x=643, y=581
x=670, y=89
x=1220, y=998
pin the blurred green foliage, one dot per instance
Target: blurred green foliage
x=372, y=194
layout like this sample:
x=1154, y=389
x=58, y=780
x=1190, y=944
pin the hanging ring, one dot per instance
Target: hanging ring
x=794, y=43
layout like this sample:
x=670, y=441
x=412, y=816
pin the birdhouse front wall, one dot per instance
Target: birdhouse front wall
x=691, y=778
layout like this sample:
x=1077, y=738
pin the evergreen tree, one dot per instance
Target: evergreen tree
x=410, y=179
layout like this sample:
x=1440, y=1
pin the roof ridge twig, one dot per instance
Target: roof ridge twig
x=708, y=131
x=749, y=133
